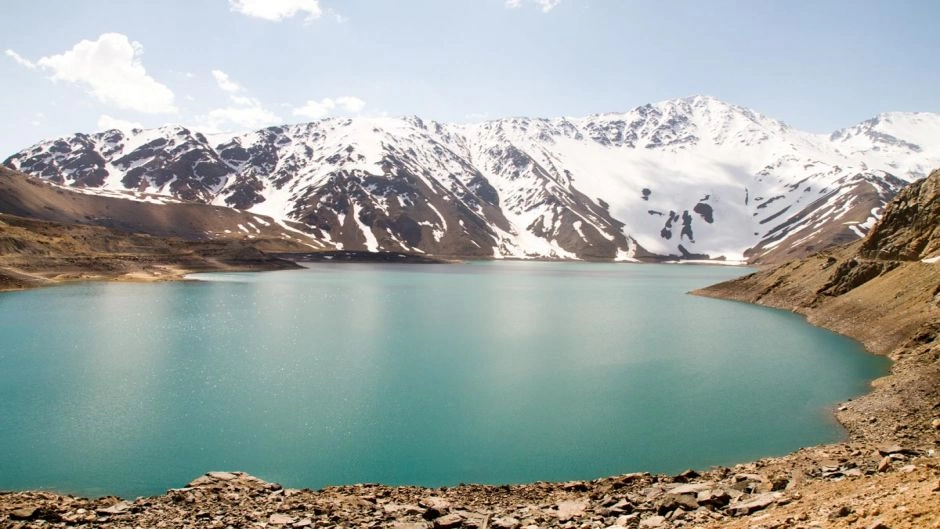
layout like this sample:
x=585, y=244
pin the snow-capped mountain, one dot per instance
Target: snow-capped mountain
x=692, y=177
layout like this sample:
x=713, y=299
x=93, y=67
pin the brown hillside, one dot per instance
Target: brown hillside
x=36, y=253
x=30, y=197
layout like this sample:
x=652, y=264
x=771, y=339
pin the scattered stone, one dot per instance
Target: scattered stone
x=281, y=519
x=841, y=512
x=505, y=523
x=24, y=513
x=570, y=509
x=653, y=521
x=201, y=481
x=435, y=502
x=753, y=504
x=895, y=449
x=621, y=507
x=671, y=502
x=693, y=488
x=627, y=520
x=448, y=521
x=713, y=497
x=575, y=486
x=303, y=522
x=750, y=482
x=878, y=525
x=223, y=476
x=117, y=508
x=885, y=464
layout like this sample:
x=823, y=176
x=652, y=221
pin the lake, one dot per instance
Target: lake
x=488, y=372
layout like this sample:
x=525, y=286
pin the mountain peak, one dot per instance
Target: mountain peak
x=690, y=177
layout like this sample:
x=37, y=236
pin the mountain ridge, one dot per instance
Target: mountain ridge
x=687, y=178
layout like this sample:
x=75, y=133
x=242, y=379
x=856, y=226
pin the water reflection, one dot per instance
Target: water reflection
x=487, y=372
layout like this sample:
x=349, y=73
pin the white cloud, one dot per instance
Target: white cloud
x=545, y=5
x=106, y=122
x=247, y=117
x=244, y=101
x=320, y=109
x=20, y=60
x=110, y=69
x=315, y=109
x=245, y=112
x=350, y=104
x=225, y=82
x=275, y=10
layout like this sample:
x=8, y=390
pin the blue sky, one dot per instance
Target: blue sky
x=243, y=64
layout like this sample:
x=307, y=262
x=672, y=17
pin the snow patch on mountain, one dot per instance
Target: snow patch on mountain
x=690, y=178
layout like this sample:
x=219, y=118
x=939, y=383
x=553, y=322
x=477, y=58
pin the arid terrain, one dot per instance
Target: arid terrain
x=883, y=291
x=39, y=253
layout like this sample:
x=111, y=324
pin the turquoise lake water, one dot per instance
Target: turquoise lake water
x=426, y=374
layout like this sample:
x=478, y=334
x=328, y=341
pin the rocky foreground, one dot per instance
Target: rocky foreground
x=845, y=485
x=883, y=291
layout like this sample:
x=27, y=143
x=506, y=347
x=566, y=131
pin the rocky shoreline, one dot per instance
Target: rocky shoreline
x=842, y=485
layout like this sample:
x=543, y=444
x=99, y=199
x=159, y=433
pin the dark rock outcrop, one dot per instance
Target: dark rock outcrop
x=909, y=230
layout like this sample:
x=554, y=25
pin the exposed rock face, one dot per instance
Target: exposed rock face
x=910, y=227
x=29, y=197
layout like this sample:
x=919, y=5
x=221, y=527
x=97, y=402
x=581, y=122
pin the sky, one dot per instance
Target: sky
x=235, y=65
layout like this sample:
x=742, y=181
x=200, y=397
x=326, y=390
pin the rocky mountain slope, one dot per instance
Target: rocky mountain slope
x=30, y=197
x=692, y=177
x=36, y=253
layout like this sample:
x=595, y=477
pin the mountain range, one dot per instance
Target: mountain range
x=691, y=178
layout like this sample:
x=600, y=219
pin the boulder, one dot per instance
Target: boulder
x=885, y=464
x=117, y=508
x=448, y=521
x=570, y=509
x=507, y=522
x=653, y=521
x=713, y=497
x=752, y=504
x=24, y=513
x=222, y=476
x=671, y=502
x=692, y=488
x=281, y=519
